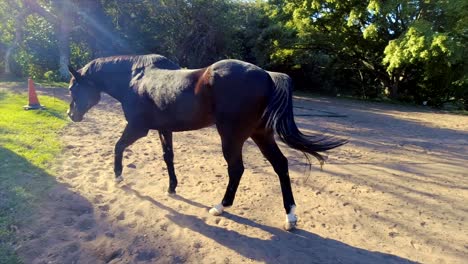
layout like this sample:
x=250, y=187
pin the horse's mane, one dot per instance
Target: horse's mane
x=127, y=63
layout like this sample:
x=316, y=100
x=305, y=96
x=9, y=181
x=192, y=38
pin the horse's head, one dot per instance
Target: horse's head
x=84, y=94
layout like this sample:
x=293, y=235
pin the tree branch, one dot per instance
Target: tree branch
x=36, y=8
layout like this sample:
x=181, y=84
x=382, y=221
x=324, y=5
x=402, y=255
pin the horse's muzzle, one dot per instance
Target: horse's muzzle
x=74, y=117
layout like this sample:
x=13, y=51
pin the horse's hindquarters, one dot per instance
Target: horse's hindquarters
x=241, y=92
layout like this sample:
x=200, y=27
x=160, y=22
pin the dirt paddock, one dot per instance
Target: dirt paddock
x=396, y=193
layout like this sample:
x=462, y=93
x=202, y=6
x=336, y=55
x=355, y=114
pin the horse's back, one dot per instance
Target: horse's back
x=167, y=99
x=240, y=75
x=240, y=89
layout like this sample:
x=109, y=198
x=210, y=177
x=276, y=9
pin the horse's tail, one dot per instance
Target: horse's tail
x=279, y=116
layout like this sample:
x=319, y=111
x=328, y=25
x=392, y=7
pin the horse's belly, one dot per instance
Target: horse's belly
x=182, y=119
x=185, y=124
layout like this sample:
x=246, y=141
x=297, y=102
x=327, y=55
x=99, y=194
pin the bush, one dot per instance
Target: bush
x=52, y=76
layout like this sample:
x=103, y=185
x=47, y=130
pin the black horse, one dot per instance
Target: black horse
x=241, y=99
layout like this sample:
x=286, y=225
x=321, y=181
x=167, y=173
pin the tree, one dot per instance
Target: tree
x=408, y=50
x=404, y=48
x=194, y=33
x=61, y=24
x=432, y=48
x=11, y=29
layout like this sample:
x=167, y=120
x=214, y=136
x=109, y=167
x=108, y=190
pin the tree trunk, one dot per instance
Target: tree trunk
x=394, y=88
x=8, y=57
x=63, y=29
x=19, y=21
x=64, y=51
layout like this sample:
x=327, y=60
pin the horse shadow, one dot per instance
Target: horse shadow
x=299, y=246
x=41, y=217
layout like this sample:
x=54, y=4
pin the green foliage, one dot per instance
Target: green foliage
x=408, y=50
x=28, y=142
x=194, y=33
x=37, y=52
x=80, y=54
x=51, y=76
x=7, y=13
x=432, y=48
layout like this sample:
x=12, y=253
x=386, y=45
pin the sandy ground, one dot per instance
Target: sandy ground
x=396, y=193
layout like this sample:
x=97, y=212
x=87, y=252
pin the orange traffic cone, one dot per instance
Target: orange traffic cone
x=33, y=101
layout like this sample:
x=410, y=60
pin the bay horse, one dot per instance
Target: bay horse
x=241, y=99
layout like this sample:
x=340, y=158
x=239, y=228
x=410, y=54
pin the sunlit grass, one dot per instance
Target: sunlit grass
x=29, y=141
x=31, y=134
x=12, y=82
x=53, y=84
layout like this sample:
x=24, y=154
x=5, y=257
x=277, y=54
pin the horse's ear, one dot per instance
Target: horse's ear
x=74, y=73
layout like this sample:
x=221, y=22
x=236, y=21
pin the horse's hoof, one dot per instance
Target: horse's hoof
x=291, y=219
x=119, y=179
x=171, y=193
x=288, y=226
x=217, y=210
x=171, y=190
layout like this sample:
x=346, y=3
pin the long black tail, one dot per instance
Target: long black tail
x=280, y=117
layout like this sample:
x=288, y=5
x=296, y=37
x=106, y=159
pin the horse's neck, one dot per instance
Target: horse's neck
x=114, y=84
x=114, y=91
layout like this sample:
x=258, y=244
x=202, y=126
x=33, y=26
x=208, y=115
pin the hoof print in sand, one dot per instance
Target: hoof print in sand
x=146, y=255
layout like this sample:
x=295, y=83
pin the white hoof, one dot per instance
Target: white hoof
x=291, y=220
x=217, y=210
x=290, y=226
x=119, y=179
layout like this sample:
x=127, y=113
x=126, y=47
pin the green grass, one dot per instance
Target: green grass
x=12, y=81
x=29, y=141
x=52, y=84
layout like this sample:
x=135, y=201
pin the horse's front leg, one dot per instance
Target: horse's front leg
x=168, y=154
x=129, y=136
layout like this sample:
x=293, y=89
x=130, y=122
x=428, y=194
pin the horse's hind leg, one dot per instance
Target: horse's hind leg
x=168, y=154
x=129, y=136
x=232, y=142
x=266, y=142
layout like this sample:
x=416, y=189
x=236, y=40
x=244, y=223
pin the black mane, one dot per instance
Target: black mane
x=127, y=63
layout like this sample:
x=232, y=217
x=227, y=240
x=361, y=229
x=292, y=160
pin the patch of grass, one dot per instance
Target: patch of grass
x=52, y=84
x=28, y=143
x=12, y=82
x=31, y=134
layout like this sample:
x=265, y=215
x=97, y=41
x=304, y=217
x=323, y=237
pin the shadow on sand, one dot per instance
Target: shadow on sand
x=298, y=246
